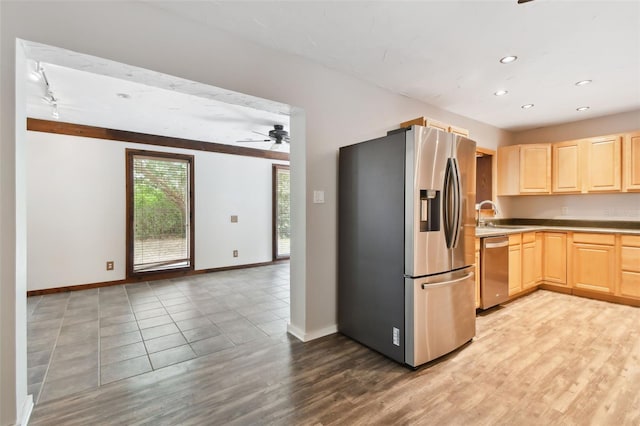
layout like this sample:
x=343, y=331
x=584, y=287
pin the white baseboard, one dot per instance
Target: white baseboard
x=27, y=408
x=306, y=337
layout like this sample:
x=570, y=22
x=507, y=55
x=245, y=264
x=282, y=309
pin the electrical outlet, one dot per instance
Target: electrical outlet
x=396, y=336
x=565, y=211
x=235, y=253
x=109, y=265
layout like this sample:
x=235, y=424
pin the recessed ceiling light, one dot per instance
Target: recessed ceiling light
x=501, y=93
x=123, y=95
x=527, y=106
x=583, y=82
x=508, y=59
x=584, y=108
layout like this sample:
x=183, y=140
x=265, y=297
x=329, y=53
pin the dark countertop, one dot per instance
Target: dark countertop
x=513, y=226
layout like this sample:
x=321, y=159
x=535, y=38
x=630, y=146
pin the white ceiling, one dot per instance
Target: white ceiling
x=444, y=53
x=89, y=91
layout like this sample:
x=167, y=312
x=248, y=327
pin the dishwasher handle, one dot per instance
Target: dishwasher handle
x=496, y=245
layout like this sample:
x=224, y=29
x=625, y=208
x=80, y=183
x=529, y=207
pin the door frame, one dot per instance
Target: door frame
x=129, y=155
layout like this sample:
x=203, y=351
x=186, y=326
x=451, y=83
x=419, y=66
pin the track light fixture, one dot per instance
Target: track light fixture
x=48, y=97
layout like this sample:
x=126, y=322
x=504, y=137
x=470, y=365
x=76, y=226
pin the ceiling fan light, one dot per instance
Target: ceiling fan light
x=508, y=59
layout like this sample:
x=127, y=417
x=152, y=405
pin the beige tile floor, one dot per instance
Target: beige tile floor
x=78, y=341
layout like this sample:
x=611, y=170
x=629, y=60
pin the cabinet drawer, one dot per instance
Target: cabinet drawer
x=514, y=239
x=630, y=284
x=631, y=240
x=528, y=237
x=606, y=239
x=630, y=259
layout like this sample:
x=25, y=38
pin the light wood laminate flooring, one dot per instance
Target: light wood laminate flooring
x=546, y=358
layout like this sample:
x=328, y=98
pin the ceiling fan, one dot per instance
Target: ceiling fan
x=277, y=135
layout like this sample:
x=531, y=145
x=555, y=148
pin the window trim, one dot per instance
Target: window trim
x=274, y=233
x=129, y=155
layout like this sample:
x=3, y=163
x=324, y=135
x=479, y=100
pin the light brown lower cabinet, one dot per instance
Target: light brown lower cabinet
x=630, y=267
x=594, y=260
x=515, y=264
x=554, y=265
x=531, y=262
x=593, y=263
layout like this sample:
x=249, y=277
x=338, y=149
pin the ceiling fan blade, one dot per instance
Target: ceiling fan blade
x=262, y=140
x=524, y=1
x=258, y=133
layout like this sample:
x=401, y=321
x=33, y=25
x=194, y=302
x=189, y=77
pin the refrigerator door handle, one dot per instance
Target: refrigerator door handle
x=467, y=276
x=457, y=202
x=448, y=205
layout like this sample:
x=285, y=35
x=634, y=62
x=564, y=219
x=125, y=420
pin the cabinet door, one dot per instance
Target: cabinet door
x=632, y=162
x=537, y=267
x=593, y=267
x=509, y=170
x=604, y=163
x=535, y=169
x=515, y=270
x=554, y=264
x=528, y=265
x=567, y=167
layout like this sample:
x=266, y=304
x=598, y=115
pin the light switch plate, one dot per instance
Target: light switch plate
x=318, y=196
x=234, y=219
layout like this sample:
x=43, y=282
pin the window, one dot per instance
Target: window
x=159, y=212
x=281, y=212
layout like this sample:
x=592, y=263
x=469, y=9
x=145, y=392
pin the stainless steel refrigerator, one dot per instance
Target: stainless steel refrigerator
x=406, y=234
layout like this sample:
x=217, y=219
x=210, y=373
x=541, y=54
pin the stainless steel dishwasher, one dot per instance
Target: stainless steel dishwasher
x=494, y=278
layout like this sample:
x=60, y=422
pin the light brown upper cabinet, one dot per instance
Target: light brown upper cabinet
x=632, y=162
x=604, y=163
x=567, y=167
x=535, y=168
x=509, y=170
x=587, y=165
x=435, y=124
x=524, y=169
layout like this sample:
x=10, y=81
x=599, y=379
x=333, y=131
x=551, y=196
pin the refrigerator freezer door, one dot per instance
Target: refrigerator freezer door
x=426, y=249
x=464, y=156
x=440, y=314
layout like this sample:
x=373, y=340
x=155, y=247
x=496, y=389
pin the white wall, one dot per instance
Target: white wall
x=76, y=209
x=621, y=206
x=339, y=110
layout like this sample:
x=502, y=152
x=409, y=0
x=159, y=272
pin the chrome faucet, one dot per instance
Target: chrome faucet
x=480, y=221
